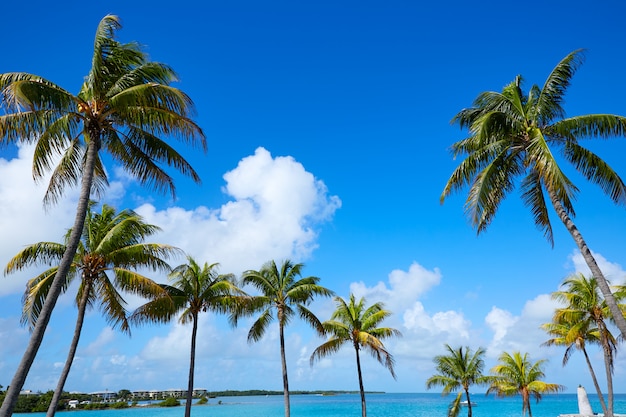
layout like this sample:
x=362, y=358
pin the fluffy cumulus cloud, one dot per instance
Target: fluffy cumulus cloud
x=522, y=332
x=402, y=288
x=275, y=208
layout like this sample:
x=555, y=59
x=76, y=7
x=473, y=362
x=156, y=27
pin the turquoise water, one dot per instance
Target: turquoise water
x=349, y=405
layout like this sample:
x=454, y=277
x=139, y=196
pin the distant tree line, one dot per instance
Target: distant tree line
x=39, y=402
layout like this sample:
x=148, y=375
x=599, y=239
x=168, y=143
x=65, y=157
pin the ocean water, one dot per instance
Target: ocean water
x=349, y=405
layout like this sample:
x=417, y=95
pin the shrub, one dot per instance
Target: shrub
x=169, y=402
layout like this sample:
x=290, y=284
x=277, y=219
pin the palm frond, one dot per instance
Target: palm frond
x=549, y=102
x=533, y=198
x=597, y=171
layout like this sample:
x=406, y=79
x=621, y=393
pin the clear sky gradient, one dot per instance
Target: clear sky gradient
x=328, y=126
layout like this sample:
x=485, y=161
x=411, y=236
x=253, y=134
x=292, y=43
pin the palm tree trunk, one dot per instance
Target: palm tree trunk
x=595, y=383
x=57, y=284
x=361, y=390
x=284, y=364
x=618, y=317
x=192, y=364
x=82, y=307
x=608, y=366
x=525, y=401
x=469, y=403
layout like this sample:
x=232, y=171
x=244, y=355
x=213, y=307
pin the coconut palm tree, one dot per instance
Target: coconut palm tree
x=516, y=136
x=283, y=293
x=584, y=305
x=126, y=107
x=517, y=375
x=110, y=250
x=194, y=289
x=354, y=323
x=574, y=335
x=458, y=370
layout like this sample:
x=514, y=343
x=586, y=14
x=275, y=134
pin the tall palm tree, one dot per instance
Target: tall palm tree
x=516, y=374
x=194, y=289
x=458, y=370
x=574, y=335
x=584, y=305
x=516, y=136
x=111, y=244
x=283, y=293
x=126, y=106
x=354, y=323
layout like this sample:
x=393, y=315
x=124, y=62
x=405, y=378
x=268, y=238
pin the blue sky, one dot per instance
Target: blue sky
x=328, y=133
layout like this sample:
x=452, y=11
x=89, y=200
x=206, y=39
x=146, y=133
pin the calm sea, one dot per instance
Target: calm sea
x=348, y=405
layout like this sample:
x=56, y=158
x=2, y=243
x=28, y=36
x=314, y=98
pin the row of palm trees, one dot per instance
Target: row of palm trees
x=127, y=107
x=112, y=248
x=515, y=374
x=586, y=319
x=583, y=319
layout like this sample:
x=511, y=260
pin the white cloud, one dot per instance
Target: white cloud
x=276, y=207
x=403, y=288
x=446, y=322
x=520, y=333
x=23, y=219
x=612, y=271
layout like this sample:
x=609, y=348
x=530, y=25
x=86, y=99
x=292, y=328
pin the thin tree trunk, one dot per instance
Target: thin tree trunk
x=618, y=317
x=526, y=399
x=595, y=383
x=192, y=364
x=469, y=403
x=361, y=390
x=284, y=364
x=57, y=284
x=608, y=366
x=82, y=307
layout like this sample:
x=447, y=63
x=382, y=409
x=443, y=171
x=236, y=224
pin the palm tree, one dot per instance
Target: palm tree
x=574, y=334
x=194, y=289
x=356, y=324
x=458, y=370
x=516, y=374
x=125, y=106
x=111, y=243
x=584, y=305
x=517, y=136
x=283, y=292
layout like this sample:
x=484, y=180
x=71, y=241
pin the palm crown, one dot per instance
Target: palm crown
x=353, y=322
x=514, y=135
x=283, y=293
x=124, y=106
x=515, y=374
x=112, y=243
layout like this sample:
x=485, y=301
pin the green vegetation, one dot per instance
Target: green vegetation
x=111, y=244
x=127, y=103
x=124, y=106
x=353, y=323
x=283, y=292
x=195, y=289
x=169, y=402
x=514, y=138
x=517, y=375
x=458, y=370
x=584, y=319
